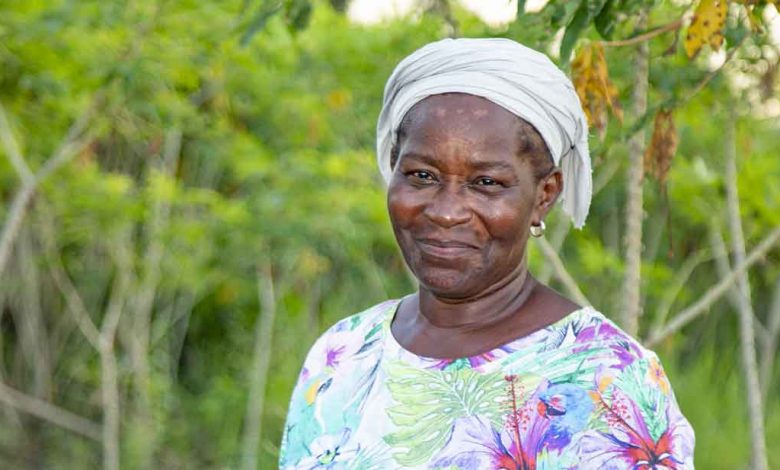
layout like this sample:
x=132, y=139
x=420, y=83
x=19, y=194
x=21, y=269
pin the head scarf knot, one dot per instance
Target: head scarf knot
x=515, y=77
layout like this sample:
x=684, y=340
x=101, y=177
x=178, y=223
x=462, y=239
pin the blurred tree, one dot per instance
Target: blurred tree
x=189, y=198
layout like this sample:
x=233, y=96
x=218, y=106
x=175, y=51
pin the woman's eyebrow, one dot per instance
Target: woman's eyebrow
x=478, y=165
x=422, y=158
x=492, y=165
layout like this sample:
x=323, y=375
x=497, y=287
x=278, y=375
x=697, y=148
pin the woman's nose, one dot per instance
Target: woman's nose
x=448, y=208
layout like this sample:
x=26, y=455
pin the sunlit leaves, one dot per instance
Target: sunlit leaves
x=706, y=26
x=595, y=89
x=338, y=99
x=311, y=264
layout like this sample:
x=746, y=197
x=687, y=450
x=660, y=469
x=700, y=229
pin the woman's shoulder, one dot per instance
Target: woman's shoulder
x=365, y=322
x=589, y=330
x=591, y=324
x=356, y=332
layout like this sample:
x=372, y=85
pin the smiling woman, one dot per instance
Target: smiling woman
x=461, y=201
x=483, y=367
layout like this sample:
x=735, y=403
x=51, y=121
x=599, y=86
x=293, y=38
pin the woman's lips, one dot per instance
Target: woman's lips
x=445, y=248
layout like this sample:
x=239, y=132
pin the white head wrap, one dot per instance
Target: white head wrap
x=519, y=79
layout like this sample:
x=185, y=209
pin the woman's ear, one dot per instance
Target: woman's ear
x=547, y=191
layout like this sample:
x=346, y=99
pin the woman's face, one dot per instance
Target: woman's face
x=461, y=199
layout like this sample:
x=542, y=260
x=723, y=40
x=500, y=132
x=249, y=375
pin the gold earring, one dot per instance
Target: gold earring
x=537, y=230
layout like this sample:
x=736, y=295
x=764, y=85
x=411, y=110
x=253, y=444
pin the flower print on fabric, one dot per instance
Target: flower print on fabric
x=624, y=348
x=533, y=434
x=579, y=393
x=329, y=451
x=644, y=428
x=472, y=362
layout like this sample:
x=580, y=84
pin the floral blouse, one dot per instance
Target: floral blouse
x=580, y=393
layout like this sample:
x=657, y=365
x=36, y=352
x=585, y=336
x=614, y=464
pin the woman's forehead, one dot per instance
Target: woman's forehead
x=460, y=120
x=458, y=107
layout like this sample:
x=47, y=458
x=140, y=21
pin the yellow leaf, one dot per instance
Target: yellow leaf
x=705, y=28
x=596, y=91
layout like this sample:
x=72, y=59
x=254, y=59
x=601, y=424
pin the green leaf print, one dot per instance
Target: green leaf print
x=650, y=400
x=428, y=402
x=374, y=459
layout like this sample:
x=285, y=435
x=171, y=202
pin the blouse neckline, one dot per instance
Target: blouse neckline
x=478, y=361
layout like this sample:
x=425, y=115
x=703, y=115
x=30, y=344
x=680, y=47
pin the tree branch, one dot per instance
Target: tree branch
x=723, y=265
x=673, y=26
x=73, y=142
x=49, y=412
x=73, y=301
x=33, y=336
x=707, y=78
x=714, y=293
x=12, y=148
x=769, y=348
x=677, y=285
x=561, y=273
x=116, y=302
x=561, y=229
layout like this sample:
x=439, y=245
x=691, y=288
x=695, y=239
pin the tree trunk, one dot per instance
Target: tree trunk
x=109, y=389
x=631, y=308
x=144, y=304
x=31, y=321
x=769, y=350
x=259, y=372
x=745, y=310
x=108, y=364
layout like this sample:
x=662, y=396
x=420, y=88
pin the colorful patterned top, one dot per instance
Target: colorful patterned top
x=580, y=393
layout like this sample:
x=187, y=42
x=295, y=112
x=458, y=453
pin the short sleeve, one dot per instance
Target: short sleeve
x=637, y=421
x=322, y=412
x=299, y=420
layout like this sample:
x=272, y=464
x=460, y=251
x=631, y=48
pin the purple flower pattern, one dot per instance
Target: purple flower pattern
x=577, y=394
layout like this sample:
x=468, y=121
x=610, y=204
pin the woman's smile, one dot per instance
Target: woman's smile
x=462, y=197
x=445, y=248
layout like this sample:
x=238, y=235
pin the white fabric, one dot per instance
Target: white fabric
x=520, y=79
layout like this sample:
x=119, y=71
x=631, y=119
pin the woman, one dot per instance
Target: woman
x=483, y=367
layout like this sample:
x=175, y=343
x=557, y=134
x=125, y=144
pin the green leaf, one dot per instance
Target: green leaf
x=587, y=10
x=573, y=31
x=606, y=19
x=520, y=8
x=650, y=400
x=428, y=402
x=268, y=10
x=339, y=5
x=297, y=13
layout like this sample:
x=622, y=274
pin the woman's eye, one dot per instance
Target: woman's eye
x=486, y=181
x=421, y=175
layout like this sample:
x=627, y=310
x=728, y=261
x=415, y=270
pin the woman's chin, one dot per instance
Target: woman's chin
x=445, y=283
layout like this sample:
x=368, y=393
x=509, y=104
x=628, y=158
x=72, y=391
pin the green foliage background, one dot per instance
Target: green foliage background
x=277, y=126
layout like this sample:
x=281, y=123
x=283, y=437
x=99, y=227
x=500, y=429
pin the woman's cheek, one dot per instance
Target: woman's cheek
x=503, y=220
x=402, y=206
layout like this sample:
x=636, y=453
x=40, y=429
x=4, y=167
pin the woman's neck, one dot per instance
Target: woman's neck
x=489, y=307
